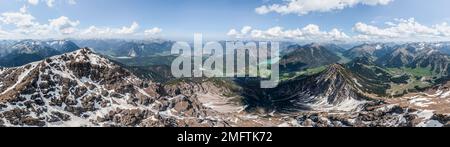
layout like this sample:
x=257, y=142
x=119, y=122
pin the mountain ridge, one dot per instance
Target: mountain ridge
x=312, y=55
x=27, y=51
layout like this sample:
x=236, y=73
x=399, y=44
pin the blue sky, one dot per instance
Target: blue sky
x=180, y=19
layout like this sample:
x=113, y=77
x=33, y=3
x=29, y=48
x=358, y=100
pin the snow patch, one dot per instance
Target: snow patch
x=433, y=123
x=445, y=95
x=347, y=105
x=421, y=102
x=357, y=83
x=218, y=103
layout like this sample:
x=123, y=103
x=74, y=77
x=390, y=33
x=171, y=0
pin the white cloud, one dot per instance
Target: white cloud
x=33, y=2
x=108, y=32
x=64, y=25
x=242, y=34
x=303, y=7
x=246, y=29
x=128, y=30
x=402, y=29
x=50, y=3
x=396, y=30
x=23, y=25
x=96, y=32
x=21, y=19
x=125, y=31
x=370, y=30
x=153, y=31
x=233, y=33
x=443, y=29
x=308, y=33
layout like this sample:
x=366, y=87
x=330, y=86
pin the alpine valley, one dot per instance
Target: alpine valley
x=128, y=83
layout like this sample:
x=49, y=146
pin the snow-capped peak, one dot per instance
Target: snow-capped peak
x=378, y=47
x=85, y=55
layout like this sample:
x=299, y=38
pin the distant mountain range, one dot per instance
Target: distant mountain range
x=23, y=52
x=375, y=50
x=312, y=55
x=128, y=49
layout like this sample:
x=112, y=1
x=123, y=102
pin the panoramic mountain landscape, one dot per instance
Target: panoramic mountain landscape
x=331, y=63
x=86, y=87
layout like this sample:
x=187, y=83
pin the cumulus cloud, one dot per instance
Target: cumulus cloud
x=94, y=32
x=153, y=31
x=402, y=29
x=370, y=30
x=303, y=7
x=33, y=2
x=64, y=25
x=396, y=30
x=21, y=19
x=50, y=3
x=25, y=26
x=242, y=34
x=109, y=32
x=310, y=32
x=128, y=30
x=246, y=29
x=101, y=32
x=125, y=31
x=443, y=29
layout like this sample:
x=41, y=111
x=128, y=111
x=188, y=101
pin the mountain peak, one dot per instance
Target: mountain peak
x=83, y=55
x=85, y=51
x=336, y=88
x=307, y=56
x=315, y=45
x=333, y=71
x=335, y=67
